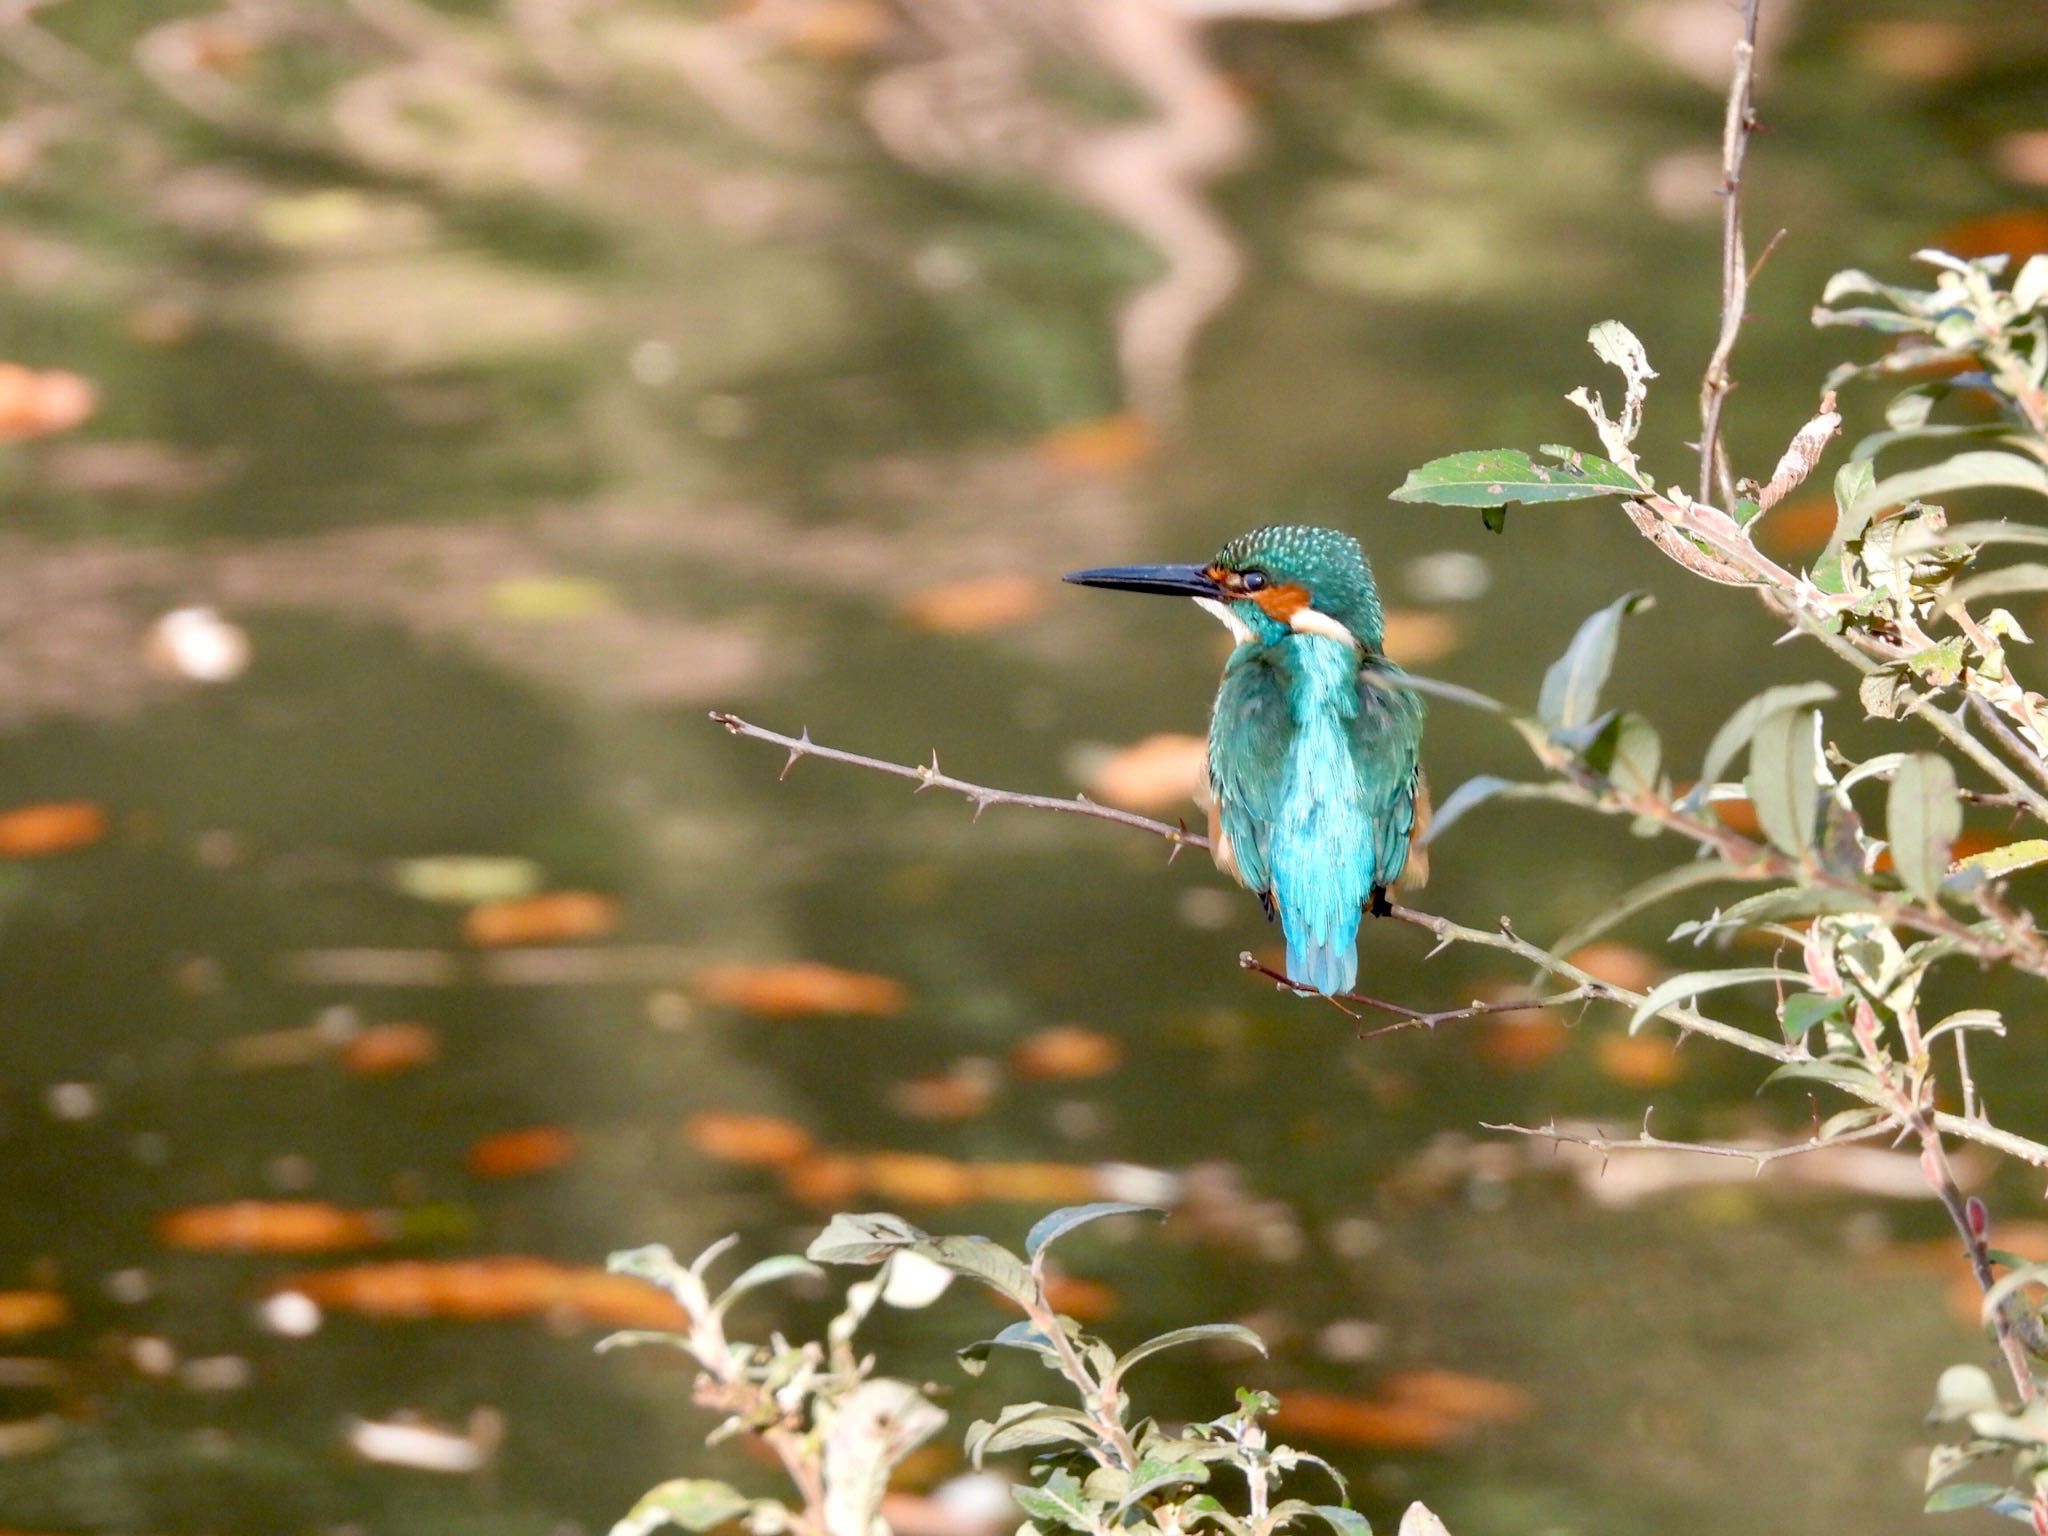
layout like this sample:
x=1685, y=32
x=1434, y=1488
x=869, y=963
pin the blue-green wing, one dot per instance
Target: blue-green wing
x=1386, y=743
x=1248, y=742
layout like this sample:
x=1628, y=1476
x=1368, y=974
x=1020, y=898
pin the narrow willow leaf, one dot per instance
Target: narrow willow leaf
x=1481, y=788
x=1345, y=1522
x=1965, y=1496
x=1923, y=816
x=1852, y=483
x=1571, y=688
x=1050, y=1228
x=1653, y=890
x=866, y=1239
x=1420, y=1520
x=1028, y=1424
x=1736, y=731
x=657, y=1266
x=1179, y=1336
x=694, y=1503
x=1690, y=984
x=1498, y=477
x=784, y=1266
x=1981, y=468
x=1627, y=753
x=1152, y=1475
x=2028, y=576
x=1781, y=781
x=1806, y=1009
x=1847, y=1074
x=1058, y=1503
x=1994, y=863
x=989, y=1262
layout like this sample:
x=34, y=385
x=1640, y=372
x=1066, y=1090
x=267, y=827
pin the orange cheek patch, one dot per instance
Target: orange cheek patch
x=1283, y=602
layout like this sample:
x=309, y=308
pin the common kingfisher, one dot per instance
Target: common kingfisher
x=1315, y=776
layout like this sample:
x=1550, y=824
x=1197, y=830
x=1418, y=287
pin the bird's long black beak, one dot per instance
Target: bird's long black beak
x=1166, y=580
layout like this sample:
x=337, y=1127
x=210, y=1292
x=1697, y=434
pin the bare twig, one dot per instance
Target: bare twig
x=1443, y=929
x=982, y=797
x=1714, y=387
x=1762, y=1157
x=1416, y=1018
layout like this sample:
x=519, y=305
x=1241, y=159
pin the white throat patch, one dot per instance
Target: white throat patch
x=1229, y=620
x=1313, y=621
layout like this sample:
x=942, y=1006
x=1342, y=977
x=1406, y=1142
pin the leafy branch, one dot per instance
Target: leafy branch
x=1097, y=1468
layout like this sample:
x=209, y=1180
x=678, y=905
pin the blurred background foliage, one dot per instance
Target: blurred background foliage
x=422, y=413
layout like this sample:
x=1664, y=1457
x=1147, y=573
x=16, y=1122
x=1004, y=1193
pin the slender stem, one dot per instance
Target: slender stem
x=1714, y=387
x=2016, y=745
x=1416, y=1018
x=1762, y=1157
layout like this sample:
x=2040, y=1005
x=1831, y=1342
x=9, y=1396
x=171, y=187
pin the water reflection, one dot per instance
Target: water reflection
x=478, y=397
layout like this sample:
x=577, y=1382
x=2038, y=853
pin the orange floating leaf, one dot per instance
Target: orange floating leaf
x=1066, y=1052
x=839, y=30
x=272, y=1226
x=491, y=1290
x=1620, y=965
x=1085, y=1301
x=2021, y=233
x=919, y=1178
x=824, y=1181
x=1799, y=527
x=37, y=403
x=969, y=607
x=1640, y=1061
x=1383, y=1426
x=550, y=918
x=58, y=826
x=1737, y=816
x=1523, y=1040
x=1037, y=1183
x=515, y=1154
x=1421, y=637
x=956, y=1095
x=800, y=987
x=1467, y=1398
x=1106, y=445
x=1155, y=774
x=385, y=1050
x=764, y=1141
x=31, y=1312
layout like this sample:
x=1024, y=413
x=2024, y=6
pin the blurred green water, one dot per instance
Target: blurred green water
x=712, y=372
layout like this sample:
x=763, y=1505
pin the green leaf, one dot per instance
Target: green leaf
x=1845, y=1074
x=1627, y=753
x=1022, y=1425
x=1736, y=731
x=1571, y=688
x=1690, y=984
x=1500, y=477
x=1481, y=788
x=694, y=1503
x=1806, y=1009
x=1998, y=531
x=783, y=1266
x=1152, y=1475
x=1048, y=1229
x=1852, y=483
x=1782, y=784
x=1982, y=468
x=1345, y=1522
x=657, y=1266
x=2011, y=859
x=1963, y=1496
x=989, y=1262
x=1180, y=1336
x=2028, y=576
x=1923, y=817
x=974, y=1358
x=865, y=1239
x=1058, y=1503
x=1653, y=890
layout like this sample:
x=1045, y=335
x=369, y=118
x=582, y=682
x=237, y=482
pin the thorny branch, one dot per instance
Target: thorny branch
x=1762, y=1157
x=1714, y=387
x=1416, y=1018
x=1443, y=929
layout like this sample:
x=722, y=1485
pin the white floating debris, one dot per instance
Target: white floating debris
x=129, y=1287
x=289, y=1314
x=1138, y=1184
x=73, y=1101
x=408, y=1441
x=198, y=645
x=216, y=1373
x=1448, y=576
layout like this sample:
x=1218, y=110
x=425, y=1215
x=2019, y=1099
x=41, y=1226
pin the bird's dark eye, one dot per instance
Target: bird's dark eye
x=1252, y=581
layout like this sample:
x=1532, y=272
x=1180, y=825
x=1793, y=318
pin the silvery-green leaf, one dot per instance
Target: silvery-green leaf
x=870, y=1430
x=1982, y=468
x=1852, y=484
x=1419, y=1521
x=1029, y=1424
x=656, y=1265
x=1571, y=688
x=1668, y=882
x=1195, y=1335
x=1846, y=1074
x=1782, y=783
x=785, y=1266
x=1688, y=984
x=1153, y=1475
x=863, y=1239
x=1736, y=731
x=974, y=1358
x=2028, y=576
x=1954, y=1496
x=1481, y=788
x=1050, y=1228
x=989, y=1262
x=1923, y=817
x=694, y=1503
x=1499, y=477
x=1059, y=1502
x=2030, y=284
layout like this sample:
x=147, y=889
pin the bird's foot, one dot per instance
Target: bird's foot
x=1379, y=906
